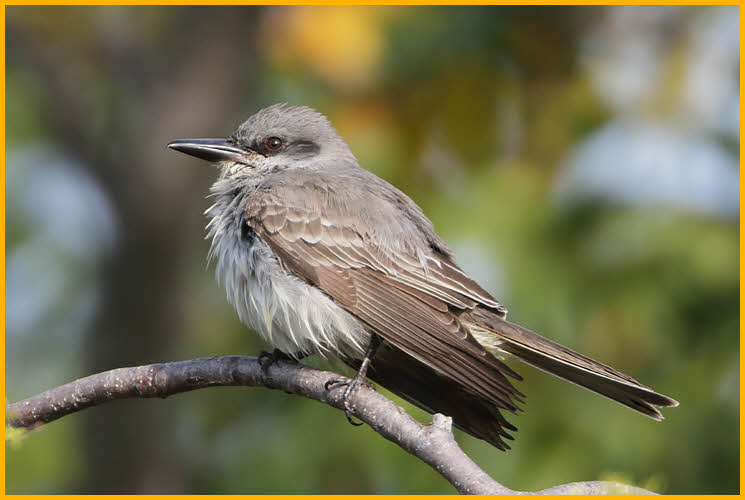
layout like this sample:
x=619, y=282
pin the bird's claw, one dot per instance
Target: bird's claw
x=348, y=413
x=333, y=383
x=351, y=386
x=267, y=359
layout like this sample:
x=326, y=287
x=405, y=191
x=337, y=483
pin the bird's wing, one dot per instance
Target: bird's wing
x=392, y=292
x=426, y=388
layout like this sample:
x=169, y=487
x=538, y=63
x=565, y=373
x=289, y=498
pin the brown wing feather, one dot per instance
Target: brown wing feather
x=427, y=308
x=414, y=382
x=410, y=307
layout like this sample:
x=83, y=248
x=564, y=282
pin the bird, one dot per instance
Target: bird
x=320, y=256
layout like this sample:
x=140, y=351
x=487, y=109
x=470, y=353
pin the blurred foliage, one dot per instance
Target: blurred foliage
x=474, y=112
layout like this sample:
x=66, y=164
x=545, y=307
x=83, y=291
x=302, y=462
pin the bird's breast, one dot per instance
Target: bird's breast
x=286, y=311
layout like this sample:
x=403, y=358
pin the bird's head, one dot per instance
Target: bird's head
x=276, y=138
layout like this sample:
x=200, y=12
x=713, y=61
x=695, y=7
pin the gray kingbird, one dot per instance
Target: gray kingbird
x=318, y=255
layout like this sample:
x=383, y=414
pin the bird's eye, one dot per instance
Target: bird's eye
x=273, y=143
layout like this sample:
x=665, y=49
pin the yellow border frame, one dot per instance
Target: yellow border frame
x=337, y=2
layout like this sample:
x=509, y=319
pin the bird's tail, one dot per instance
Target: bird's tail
x=502, y=337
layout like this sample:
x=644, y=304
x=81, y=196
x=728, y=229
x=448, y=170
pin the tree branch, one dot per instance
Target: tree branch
x=434, y=444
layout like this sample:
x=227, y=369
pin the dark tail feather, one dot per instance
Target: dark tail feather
x=574, y=367
x=424, y=387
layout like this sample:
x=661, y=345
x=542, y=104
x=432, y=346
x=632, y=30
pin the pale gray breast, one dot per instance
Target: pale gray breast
x=287, y=312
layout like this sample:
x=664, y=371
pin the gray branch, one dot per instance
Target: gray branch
x=434, y=444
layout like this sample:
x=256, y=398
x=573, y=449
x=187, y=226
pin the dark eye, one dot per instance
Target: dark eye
x=273, y=143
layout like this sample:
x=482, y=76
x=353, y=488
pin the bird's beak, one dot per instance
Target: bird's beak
x=213, y=150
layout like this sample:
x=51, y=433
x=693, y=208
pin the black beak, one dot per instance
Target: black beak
x=213, y=150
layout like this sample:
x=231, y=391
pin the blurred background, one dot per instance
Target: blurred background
x=582, y=162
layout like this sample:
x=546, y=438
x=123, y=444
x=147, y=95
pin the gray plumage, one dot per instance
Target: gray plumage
x=316, y=254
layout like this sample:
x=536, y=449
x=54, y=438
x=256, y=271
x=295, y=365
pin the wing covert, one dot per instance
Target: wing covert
x=412, y=307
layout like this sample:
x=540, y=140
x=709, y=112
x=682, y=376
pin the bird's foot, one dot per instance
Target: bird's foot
x=267, y=359
x=351, y=385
